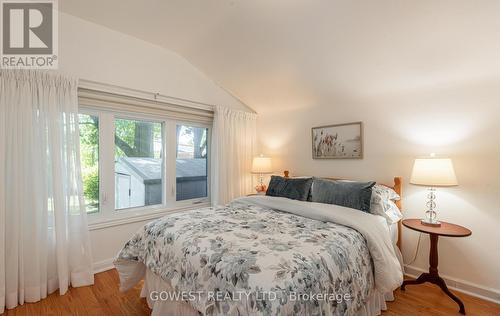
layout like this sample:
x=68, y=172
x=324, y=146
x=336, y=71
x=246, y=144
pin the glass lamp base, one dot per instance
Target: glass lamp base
x=427, y=222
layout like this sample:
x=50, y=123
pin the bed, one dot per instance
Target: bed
x=262, y=255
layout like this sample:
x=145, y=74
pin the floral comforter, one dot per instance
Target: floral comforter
x=243, y=259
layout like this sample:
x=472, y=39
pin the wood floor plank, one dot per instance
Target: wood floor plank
x=104, y=298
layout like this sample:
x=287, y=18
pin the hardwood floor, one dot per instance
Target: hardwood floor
x=427, y=299
x=104, y=298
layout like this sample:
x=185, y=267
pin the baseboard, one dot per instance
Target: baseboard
x=489, y=294
x=104, y=265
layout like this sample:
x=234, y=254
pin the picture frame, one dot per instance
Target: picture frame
x=338, y=141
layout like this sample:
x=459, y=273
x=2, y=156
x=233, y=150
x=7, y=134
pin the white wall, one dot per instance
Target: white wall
x=459, y=120
x=92, y=52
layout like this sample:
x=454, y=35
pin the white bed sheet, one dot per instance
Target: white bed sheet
x=393, y=231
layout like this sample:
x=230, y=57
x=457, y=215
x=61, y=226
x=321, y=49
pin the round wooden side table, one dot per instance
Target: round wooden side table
x=446, y=230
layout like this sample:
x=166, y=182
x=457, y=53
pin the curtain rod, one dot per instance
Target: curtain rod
x=154, y=96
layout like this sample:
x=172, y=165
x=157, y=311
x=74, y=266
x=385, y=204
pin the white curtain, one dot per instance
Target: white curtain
x=44, y=239
x=234, y=138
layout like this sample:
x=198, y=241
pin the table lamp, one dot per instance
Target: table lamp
x=433, y=172
x=261, y=165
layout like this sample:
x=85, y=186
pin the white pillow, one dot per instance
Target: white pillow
x=382, y=203
x=386, y=192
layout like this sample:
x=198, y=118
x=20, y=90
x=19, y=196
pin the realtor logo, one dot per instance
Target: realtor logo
x=29, y=34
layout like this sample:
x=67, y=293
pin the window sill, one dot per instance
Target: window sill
x=123, y=219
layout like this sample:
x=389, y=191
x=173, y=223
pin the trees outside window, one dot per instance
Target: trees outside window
x=89, y=154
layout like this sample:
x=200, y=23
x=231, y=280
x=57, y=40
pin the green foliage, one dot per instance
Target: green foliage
x=124, y=130
x=89, y=140
x=135, y=138
x=89, y=152
x=89, y=130
x=91, y=186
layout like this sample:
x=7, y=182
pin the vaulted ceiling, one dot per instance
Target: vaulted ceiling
x=285, y=54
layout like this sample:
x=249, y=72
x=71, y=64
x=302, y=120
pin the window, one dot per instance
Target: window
x=138, y=163
x=191, y=162
x=140, y=159
x=89, y=154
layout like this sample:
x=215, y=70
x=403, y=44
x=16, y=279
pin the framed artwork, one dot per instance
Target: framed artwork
x=341, y=141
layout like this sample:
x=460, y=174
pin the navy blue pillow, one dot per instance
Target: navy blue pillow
x=292, y=188
x=356, y=195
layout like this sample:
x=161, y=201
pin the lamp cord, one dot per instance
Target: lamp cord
x=416, y=251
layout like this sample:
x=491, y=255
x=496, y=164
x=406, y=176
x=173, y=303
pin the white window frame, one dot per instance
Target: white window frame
x=109, y=216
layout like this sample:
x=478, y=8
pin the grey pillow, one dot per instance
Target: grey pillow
x=292, y=188
x=355, y=195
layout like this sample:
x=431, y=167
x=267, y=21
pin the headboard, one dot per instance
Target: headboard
x=397, y=186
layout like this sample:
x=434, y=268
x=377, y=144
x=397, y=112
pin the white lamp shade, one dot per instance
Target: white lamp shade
x=437, y=172
x=262, y=165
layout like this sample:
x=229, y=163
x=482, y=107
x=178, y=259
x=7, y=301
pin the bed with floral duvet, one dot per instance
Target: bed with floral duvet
x=264, y=255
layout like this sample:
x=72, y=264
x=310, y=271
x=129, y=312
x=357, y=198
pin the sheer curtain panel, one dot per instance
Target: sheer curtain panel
x=44, y=239
x=234, y=137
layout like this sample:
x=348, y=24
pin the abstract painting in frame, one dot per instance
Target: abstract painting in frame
x=341, y=141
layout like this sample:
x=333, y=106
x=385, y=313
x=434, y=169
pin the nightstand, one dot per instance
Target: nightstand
x=446, y=230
